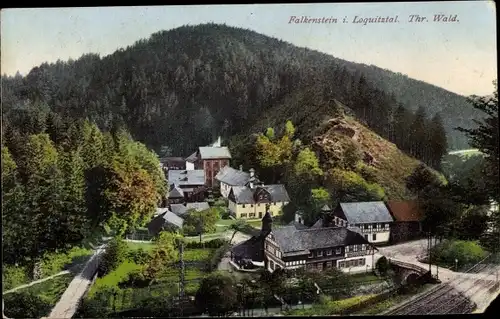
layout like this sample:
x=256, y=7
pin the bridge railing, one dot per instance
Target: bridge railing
x=408, y=266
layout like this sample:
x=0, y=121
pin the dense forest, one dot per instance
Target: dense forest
x=65, y=181
x=181, y=88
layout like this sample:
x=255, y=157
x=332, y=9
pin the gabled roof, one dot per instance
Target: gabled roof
x=175, y=192
x=209, y=152
x=366, y=212
x=292, y=240
x=250, y=249
x=166, y=218
x=245, y=195
x=318, y=223
x=186, y=177
x=326, y=208
x=192, y=158
x=297, y=225
x=181, y=209
x=405, y=211
x=233, y=177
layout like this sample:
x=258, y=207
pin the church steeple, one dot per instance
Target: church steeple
x=267, y=221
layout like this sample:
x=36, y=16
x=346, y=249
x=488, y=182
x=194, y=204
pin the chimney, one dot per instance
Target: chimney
x=219, y=142
x=298, y=218
x=252, y=172
x=241, y=167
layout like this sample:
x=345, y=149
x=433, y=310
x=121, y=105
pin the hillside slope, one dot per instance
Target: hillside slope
x=183, y=87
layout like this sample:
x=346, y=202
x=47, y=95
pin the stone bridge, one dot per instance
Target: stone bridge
x=410, y=273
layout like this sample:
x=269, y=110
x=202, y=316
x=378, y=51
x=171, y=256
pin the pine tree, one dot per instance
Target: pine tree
x=437, y=142
x=418, y=134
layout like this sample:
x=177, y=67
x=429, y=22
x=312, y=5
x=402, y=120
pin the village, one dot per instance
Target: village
x=361, y=239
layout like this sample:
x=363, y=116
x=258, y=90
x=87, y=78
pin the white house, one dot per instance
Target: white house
x=373, y=219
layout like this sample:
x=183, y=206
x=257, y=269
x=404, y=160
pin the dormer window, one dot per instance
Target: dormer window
x=319, y=253
x=311, y=255
x=328, y=252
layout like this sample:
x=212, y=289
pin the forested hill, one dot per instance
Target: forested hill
x=181, y=88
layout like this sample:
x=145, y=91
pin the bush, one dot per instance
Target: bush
x=135, y=279
x=53, y=263
x=13, y=277
x=139, y=256
x=25, y=305
x=214, y=244
x=466, y=253
x=115, y=254
x=382, y=266
x=217, y=256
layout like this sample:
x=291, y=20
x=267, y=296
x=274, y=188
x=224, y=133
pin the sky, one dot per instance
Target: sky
x=458, y=56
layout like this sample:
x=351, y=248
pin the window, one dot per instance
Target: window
x=311, y=255
x=338, y=251
x=366, y=236
x=244, y=215
x=319, y=266
x=243, y=206
x=329, y=252
x=362, y=262
x=258, y=205
x=252, y=215
x=366, y=226
x=363, y=247
x=342, y=264
x=355, y=247
x=386, y=226
x=319, y=253
x=374, y=237
x=346, y=249
x=251, y=205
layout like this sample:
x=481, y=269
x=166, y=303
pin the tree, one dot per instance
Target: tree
x=115, y=254
x=239, y=226
x=307, y=164
x=200, y=221
x=485, y=137
x=421, y=178
x=418, y=131
x=437, y=141
x=162, y=254
x=217, y=295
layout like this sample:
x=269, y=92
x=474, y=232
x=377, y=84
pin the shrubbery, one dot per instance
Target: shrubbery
x=139, y=256
x=115, y=254
x=214, y=243
x=382, y=266
x=25, y=305
x=13, y=277
x=465, y=252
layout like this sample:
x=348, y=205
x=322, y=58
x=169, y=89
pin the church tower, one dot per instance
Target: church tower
x=267, y=226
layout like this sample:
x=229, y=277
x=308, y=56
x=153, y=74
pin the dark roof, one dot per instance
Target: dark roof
x=181, y=209
x=366, y=212
x=209, y=152
x=166, y=218
x=244, y=195
x=186, y=177
x=250, y=249
x=232, y=176
x=175, y=192
x=171, y=159
x=318, y=224
x=405, y=211
x=291, y=239
x=297, y=225
x=192, y=158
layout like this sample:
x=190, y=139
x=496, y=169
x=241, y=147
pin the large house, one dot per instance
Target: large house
x=249, y=201
x=229, y=177
x=408, y=219
x=191, y=182
x=291, y=247
x=372, y=219
x=297, y=246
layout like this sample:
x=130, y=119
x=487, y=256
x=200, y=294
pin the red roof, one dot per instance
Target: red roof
x=405, y=211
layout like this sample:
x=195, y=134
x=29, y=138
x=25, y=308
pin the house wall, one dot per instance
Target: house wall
x=349, y=265
x=381, y=230
x=224, y=189
x=244, y=211
x=211, y=168
x=189, y=166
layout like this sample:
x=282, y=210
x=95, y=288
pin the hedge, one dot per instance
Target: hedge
x=214, y=243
